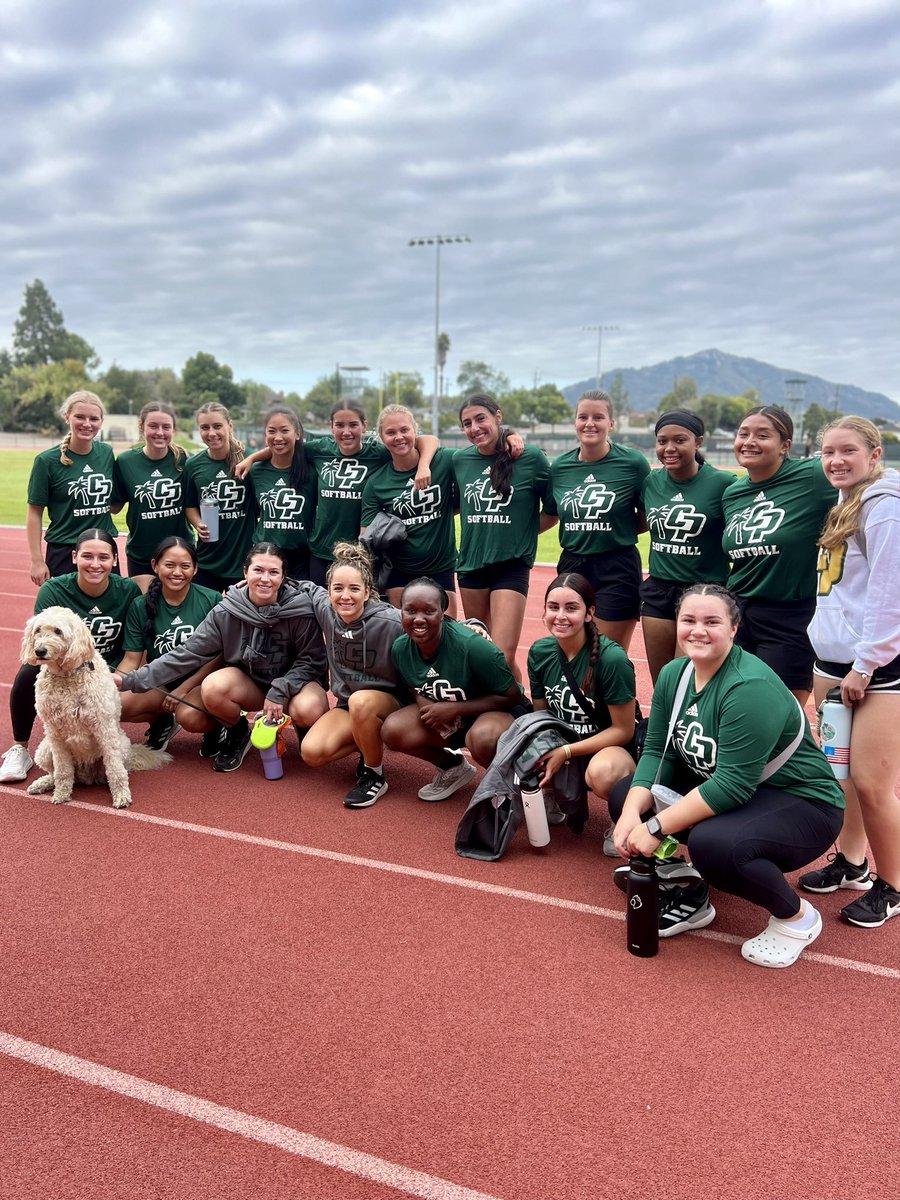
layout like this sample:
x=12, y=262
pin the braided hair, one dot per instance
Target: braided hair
x=154, y=593
x=582, y=588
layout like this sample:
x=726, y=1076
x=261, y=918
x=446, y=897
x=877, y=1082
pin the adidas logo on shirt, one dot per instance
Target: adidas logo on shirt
x=87, y=470
x=279, y=483
x=221, y=475
x=678, y=496
x=692, y=711
x=156, y=475
x=486, y=471
x=760, y=496
x=176, y=621
x=589, y=479
x=431, y=673
x=95, y=612
x=348, y=634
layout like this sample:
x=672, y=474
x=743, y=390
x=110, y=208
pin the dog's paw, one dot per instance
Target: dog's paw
x=40, y=786
x=60, y=798
x=122, y=800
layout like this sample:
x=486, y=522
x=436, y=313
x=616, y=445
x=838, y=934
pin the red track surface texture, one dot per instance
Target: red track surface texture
x=240, y=989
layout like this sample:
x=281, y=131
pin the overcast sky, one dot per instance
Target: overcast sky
x=244, y=176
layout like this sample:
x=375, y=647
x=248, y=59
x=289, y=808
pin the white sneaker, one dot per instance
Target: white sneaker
x=17, y=762
x=448, y=781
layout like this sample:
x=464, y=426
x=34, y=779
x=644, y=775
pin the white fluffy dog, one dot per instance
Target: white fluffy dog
x=78, y=702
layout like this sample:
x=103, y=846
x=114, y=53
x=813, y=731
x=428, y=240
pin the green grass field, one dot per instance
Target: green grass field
x=15, y=467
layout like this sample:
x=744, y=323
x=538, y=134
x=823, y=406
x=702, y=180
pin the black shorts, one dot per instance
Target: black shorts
x=318, y=570
x=137, y=567
x=615, y=578
x=775, y=631
x=399, y=579
x=659, y=598
x=58, y=557
x=457, y=739
x=885, y=680
x=512, y=575
x=217, y=583
x=296, y=562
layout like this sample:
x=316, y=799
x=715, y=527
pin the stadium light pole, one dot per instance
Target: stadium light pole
x=599, y=330
x=437, y=240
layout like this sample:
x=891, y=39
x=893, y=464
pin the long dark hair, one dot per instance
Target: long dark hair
x=97, y=535
x=582, y=586
x=154, y=592
x=502, y=466
x=298, y=462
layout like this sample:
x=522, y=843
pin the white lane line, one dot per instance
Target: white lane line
x=475, y=885
x=232, y=1120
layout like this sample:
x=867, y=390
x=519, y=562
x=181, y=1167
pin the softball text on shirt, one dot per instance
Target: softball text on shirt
x=104, y=615
x=285, y=515
x=596, y=501
x=152, y=490
x=685, y=522
x=495, y=528
x=613, y=682
x=340, y=480
x=428, y=514
x=207, y=481
x=78, y=496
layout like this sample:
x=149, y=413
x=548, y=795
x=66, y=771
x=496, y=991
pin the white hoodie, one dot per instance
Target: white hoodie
x=857, y=617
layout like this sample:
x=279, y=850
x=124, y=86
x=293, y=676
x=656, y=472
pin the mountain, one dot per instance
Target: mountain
x=729, y=375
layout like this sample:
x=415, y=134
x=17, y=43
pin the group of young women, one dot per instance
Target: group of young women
x=407, y=675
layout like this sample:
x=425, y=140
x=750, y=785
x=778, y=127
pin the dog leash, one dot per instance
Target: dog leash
x=196, y=707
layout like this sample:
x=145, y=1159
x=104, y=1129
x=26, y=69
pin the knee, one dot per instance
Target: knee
x=304, y=711
x=392, y=734
x=601, y=777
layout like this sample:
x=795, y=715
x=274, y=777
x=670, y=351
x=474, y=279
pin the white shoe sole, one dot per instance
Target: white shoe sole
x=433, y=796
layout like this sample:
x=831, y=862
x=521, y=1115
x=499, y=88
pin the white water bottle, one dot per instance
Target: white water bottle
x=835, y=724
x=536, y=817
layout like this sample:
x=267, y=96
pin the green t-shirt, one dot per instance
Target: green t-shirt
x=341, y=479
x=76, y=497
x=613, y=682
x=172, y=623
x=596, y=501
x=105, y=615
x=428, y=515
x=497, y=528
x=728, y=731
x=771, y=530
x=208, y=479
x=285, y=515
x=686, y=524
x=461, y=670
x=152, y=490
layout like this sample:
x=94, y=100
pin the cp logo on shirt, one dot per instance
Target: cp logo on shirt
x=104, y=631
x=162, y=493
x=229, y=495
x=677, y=522
x=411, y=503
x=589, y=501
x=755, y=523
x=344, y=473
x=282, y=504
x=483, y=498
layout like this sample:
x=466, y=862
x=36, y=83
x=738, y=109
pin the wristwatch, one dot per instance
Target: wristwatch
x=864, y=675
x=654, y=828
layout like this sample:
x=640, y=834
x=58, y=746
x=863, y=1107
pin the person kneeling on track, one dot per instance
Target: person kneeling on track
x=465, y=694
x=273, y=654
x=760, y=796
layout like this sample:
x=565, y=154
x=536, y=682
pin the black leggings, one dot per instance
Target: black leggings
x=21, y=703
x=747, y=850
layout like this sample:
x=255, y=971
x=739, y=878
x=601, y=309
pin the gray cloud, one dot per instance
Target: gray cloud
x=244, y=178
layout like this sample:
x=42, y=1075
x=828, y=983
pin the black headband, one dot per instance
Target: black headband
x=681, y=416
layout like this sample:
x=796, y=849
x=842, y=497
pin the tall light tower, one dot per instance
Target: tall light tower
x=437, y=240
x=599, y=330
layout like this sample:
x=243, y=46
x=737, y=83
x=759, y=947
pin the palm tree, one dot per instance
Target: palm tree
x=443, y=347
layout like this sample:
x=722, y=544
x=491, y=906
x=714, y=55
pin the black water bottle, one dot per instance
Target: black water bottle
x=642, y=914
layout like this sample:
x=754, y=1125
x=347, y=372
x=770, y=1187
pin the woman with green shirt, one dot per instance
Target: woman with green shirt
x=500, y=511
x=210, y=479
x=284, y=490
x=757, y=796
x=102, y=599
x=74, y=482
x=165, y=617
x=427, y=513
x=148, y=480
x=682, y=505
x=773, y=518
x=603, y=714
x=464, y=693
x=596, y=491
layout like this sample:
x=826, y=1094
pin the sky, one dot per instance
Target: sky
x=244, y=177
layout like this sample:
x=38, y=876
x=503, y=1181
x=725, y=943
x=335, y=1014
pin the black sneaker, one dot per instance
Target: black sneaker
x=668, y=871
x=684, y=908
x=876, y=907
x=212, y=742
x=161, y=731
x=838, y=874
x=234, y=747
x=368, y=787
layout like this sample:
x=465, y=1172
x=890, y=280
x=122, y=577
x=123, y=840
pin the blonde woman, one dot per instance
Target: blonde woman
x=855, y=633
x=149, y=481
x=209, y=478
x=74, y=483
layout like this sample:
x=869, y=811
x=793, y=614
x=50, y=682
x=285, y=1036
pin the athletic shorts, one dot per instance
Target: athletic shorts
x=137, y=567
x=217, y=583
x=296, y=562
x=885, y=680
x=58, y=557
x=509, y=576
x=399, y=579
x=402, y=698
x=775, y=631
x=457, y=739
x=318, y=570
x=615, y=578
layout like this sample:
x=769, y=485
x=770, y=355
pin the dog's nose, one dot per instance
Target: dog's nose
x=40, y=652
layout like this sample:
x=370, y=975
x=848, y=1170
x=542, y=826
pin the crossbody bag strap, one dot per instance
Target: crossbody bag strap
x=680, y=693
x=588, y=707
x=775, y=764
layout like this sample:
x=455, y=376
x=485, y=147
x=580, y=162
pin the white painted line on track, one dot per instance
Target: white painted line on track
x=232, y=1120
x=475, y=885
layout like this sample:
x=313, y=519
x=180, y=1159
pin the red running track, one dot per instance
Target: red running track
x=240, y=989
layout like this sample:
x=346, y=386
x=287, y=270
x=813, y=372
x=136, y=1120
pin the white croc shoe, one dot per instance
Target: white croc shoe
x=779, y=945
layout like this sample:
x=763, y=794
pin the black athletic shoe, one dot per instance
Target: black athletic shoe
x=161, y=731
x=684, y=908
x=368, y=787
x=234, y=747
x=668, y=871
x=212, y=742
x=873, y=909
x=838, y=874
